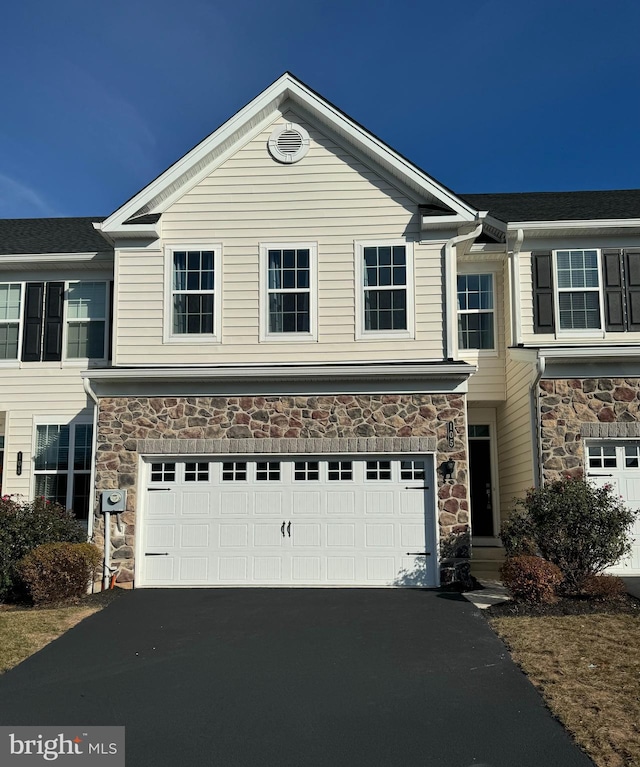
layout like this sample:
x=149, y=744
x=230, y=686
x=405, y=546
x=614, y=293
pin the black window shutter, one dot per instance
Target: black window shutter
x=632, y=280
x=543, y=318
x=53, y=322
x=32, y=330
x=111, y=321
x=613, y=290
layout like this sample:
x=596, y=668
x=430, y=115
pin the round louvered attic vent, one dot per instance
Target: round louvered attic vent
x=289, y=143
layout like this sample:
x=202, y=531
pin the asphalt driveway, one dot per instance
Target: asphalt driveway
x=304, y=677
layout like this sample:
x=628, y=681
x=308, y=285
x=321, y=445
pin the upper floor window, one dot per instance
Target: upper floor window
x=194, y=300
x=49, y=321
x=476, y=311
x=86, y=320
x=578, y=288
x=288, y=291
x=385, y=274
x=10, y=305
x=586, y=291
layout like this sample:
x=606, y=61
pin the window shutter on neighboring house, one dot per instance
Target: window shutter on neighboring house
x=613, y=290
x=111, y=321
x=632, y=274
x=543, y=317
x=53, y=322
x=32, y=333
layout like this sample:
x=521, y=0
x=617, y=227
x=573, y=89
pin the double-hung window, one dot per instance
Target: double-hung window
x=86, y=320
x=578, y=289
x=476, y=311
x=194, y=300
x=62, y=465
x=289, y=291
x=385, y=273
x=10, y=312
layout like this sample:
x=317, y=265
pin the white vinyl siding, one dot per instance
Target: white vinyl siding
x=329, y=197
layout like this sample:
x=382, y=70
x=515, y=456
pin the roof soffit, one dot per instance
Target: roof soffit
x=248, y=122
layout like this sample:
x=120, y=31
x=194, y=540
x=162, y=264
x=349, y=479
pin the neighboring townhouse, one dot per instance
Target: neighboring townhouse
x=294, y=358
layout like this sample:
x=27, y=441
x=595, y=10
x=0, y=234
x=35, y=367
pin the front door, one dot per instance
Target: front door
x=482, y=524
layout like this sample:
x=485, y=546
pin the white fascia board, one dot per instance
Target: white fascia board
x=302, y=372
x=442, y=222
x=131, y=231
x=592, y=353
x=262, y=109
x=592, y=223
x=47, y=258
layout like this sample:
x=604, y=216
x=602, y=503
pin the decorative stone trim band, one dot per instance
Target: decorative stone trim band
x=301, y=446
x=604, y=430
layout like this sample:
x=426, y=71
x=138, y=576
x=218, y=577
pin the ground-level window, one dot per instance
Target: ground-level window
x=62, y=465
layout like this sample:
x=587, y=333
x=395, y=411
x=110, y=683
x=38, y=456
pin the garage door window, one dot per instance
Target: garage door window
x=411, y=470
x=196, y=472
x=307, y=470
x=602, y=457
x=632, y=456
x=340, y=470
x=234, y=471
x=163, y=472
x=268, y=471
x=378, y=469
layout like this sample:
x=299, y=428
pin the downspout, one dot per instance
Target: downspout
x=541, y=366
x=514, y=261
x=451, y=289
x=106, y=568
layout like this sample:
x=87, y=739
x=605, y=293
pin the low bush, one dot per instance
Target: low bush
x=603, y=587
x=25, y=525
x=531, y=579
x=581, y=528
x=55, y=572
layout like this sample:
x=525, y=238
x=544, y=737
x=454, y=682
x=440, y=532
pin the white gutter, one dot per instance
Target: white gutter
x=589, y=352
x=576, y=223
x=514, y=266
x=451, y=289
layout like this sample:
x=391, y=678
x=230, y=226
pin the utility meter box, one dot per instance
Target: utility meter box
x=113, y=500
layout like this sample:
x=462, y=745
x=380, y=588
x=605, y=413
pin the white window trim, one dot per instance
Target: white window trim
x=14, y=363
x=265, y=335
x=467, y=270
x=84, y=361
x=377, y=335
x=53, y=420
x=168, y=336
x=577, y=333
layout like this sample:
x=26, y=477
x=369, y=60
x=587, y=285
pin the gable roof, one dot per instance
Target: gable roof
x=26, y=236
x=241, y=127
x=559, y=206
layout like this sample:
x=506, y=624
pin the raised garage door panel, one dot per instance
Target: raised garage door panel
x=306, y=522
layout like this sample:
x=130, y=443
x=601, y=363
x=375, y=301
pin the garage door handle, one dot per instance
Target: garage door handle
x=153, y=554
x=418, y=553
x=289, y=529
x=159, y=489
x=417, y=488
x=601, y=475
x=282, y=529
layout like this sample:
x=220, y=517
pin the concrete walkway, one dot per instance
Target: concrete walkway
x=292, y=678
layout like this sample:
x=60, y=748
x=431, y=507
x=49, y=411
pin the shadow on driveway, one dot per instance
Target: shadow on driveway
x=299, y=677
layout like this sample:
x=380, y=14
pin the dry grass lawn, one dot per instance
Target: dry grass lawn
x=25, y=631
x=588, y=669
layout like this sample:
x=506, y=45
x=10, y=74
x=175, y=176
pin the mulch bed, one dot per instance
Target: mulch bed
x=625, y=604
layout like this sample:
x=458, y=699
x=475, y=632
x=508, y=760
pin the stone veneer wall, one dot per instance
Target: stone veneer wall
x=130, y=426
x=572, y=409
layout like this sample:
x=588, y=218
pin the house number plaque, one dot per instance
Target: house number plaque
x=450, y=436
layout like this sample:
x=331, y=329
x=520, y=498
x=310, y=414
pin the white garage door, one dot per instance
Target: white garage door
x=618, y=464
x=285, y=521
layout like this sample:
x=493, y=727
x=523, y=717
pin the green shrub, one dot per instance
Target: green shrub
x=55, y=572
x=570, y=522
x=25, y=525
x=603, y=587
x=531, y=579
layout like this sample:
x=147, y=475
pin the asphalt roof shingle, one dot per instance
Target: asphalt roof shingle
x=50, y=235
x=558, y=206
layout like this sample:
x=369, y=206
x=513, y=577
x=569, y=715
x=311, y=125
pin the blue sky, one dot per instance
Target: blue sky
x=502, y=95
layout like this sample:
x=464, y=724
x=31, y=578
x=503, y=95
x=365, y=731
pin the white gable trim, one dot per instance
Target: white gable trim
x=247, y=123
